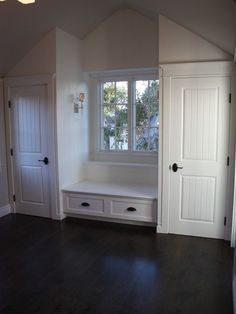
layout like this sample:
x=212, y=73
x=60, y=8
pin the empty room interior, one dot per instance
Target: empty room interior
x=117, y=156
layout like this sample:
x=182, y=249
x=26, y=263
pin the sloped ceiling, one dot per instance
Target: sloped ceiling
x=21, y=26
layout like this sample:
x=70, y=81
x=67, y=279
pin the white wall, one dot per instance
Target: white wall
x=39, y=60
x=127, y=39
x=177, y=44
x=128, y=173
x=72, y=128
x=4, y=200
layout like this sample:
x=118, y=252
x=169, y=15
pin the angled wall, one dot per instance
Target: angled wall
x=39, y=60
x=177, y=44
x=126, y=39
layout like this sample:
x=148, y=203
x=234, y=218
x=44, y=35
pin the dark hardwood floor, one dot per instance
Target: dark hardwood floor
x=92, y=267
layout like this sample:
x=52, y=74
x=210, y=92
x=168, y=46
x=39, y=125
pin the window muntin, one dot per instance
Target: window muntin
x=121, y=100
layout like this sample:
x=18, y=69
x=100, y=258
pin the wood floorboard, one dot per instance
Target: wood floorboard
x=89, y=267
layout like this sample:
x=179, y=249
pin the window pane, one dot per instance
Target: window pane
x=109, y=116
x=109, y=138
x=122, y=116
x=122, y=92
x=153, y=91
x=141, y=92
x=142, y=114
x=147, y=114
x=121, y=138
x=153, y=120
x=154, y=107
x=142, y=139
x=153, y=139
x=109, y=92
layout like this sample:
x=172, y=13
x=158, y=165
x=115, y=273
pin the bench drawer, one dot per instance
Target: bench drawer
x=84, y=205
x=133, y=210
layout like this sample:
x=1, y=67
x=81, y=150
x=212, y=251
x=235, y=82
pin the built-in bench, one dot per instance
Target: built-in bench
x=103, y=193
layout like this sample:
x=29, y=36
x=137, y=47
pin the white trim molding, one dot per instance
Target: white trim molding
x=5, y=210
x=124, y=73
x=197, y=69
x=97, y=151
x=233, y=153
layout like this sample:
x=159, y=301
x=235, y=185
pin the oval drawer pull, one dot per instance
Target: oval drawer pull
x=131, y=209
x=85, y=204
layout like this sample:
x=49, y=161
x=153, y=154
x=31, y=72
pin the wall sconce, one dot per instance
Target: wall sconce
x=79, y=102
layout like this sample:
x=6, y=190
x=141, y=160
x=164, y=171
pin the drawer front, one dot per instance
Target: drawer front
x=84, y=205
x=133, y=210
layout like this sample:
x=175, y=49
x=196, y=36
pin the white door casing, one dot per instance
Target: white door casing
x=203, y=170
x=30, y=145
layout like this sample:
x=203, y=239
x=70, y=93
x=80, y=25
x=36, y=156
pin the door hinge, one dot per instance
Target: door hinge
x=230, y=96
x=11, y=151
x=228, y=161
x=9, y=104
x=14, y=198
x=225, y=221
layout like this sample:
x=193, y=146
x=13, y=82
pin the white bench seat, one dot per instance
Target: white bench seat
x=114, y=189
x=134, y=202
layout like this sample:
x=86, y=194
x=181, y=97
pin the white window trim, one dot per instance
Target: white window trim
x=130, y=76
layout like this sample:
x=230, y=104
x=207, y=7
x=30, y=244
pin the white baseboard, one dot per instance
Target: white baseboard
x=161, y=229
x=58, y=216
x=5, y=210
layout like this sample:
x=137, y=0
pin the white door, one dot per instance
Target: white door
x=199, y=146
x=29, y=105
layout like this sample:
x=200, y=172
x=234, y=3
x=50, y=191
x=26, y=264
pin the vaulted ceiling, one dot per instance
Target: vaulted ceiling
x=21, y=26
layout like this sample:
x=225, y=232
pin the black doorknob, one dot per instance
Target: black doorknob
x=45, y=160
x=175, y=167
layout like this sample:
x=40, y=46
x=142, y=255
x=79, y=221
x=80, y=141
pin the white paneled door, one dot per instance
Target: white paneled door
x=29, y=106
x=199, y=136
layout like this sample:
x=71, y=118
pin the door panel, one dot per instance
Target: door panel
x=31, y=177
x=198, y=195
x=200, y=124
x=199, y=144
x=29, y=126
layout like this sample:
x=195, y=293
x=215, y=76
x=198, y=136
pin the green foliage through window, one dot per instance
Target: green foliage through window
x=117, y=109
x=147, y=113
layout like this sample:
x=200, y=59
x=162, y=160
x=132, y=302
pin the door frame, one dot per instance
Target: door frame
x=49, y=82
x=233, y=233
x=168, y=72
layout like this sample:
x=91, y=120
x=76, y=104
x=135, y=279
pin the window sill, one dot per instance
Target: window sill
x=136, y=153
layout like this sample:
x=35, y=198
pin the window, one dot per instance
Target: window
x=129, y=115
x=115, y=115
x=146, y=115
